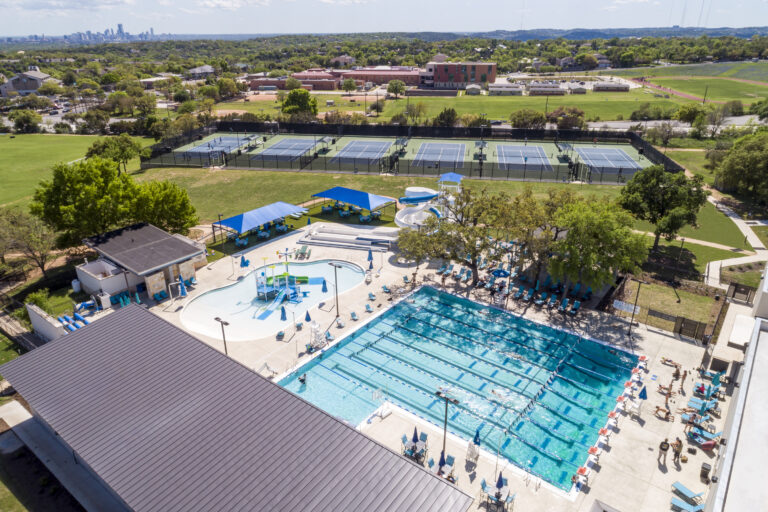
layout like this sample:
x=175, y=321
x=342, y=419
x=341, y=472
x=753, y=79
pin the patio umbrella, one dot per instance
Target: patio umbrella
x=307, y=318
x=716, y=379
x=442, y=460
x=370, y=265
x=643, y=395
x=325, y=287
x=476, y=440
x=500, y=482
x=703, y=409
x=370, y=255
x=182, y=287
x=309, y=221
x=283, y=317
x=415, y=437
x=500, y=272
x=242, y=261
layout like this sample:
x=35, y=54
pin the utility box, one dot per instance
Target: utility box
x=705, y=469
x=103, y=299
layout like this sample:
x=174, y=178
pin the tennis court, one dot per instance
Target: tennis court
x=433, y=154
x=218, y=145
x=607, y=159
x=366, y=151
x=522, y=157
x=286, y=150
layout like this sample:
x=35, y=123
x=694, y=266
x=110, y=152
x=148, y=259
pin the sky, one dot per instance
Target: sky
x=56, y=17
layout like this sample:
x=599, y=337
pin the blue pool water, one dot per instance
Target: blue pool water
x=250, y=317
x=551, y=389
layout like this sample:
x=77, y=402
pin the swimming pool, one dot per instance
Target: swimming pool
x=250, y=316
x=551, y=390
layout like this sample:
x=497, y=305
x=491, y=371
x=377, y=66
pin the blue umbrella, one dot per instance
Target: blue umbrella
x=716, y=379
x=442, y=460
x=242, y=261
x=307, y=318
x=182, y=287
x=703, y=409
x=476, y=440
x=309, y=221
x=370, y=255
x=415, y=437
x=643, y=395
x=500, y=482
x=499, y=272
x=283, y=318
x=370, y=265
x=325, y=287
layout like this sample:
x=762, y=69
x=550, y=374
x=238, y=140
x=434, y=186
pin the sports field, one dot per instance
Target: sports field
x=27, y=159
x=272, y=107
x=744, y=70
x=596, y=106
x=716, y=89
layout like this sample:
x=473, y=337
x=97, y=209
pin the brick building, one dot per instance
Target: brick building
x=457, y=75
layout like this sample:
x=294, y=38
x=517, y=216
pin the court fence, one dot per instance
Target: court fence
x=163, y=155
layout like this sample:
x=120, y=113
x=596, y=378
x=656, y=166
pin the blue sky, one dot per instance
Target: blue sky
x=21, y=17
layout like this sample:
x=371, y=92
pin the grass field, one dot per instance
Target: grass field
x=25, y=160
x=694, y=161
x=341, y=103
x=605, y=106
x=716, y=90
x=745, y=70
x=694, y=257
x=8, y=350
x=665, y=298
x=748, y=274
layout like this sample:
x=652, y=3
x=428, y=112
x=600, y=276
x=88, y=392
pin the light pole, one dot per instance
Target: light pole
x=679, y=253
x=634, y=308
x=223, y=336
x=336, y=284
x=444, y=395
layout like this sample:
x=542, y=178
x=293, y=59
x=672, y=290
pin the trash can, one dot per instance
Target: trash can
x=705, y=469
x=76, y=286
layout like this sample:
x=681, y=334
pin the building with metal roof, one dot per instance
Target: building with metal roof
x=168, y=423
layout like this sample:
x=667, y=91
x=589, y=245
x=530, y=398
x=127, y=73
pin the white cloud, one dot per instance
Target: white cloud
x=344, y=2
x=230, y=5
x=65, y=5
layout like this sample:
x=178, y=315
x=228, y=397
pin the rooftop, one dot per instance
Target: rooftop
x=125, y=394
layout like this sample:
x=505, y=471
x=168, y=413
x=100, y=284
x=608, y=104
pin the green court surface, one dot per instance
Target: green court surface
x=715, y=89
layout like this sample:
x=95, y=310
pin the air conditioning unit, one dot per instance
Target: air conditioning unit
x=103, y=298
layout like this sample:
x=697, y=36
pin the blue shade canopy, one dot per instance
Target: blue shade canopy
x=451, y=176
x=255, y=218
x=355, y=197
x=643, y=394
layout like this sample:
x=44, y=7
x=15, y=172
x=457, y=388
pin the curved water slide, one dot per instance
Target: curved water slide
x=420, y=203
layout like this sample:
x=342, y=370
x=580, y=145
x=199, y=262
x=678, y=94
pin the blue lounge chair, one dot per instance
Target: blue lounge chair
x=490, y=282
x=329, y=336
x=460, y=274
x=406, y=280
x=368, y=308
x=467, y=276
x=563, y=305
x=686, y=493
x=697, y=404
x=541, y=300
x=519, y=293
x=371, y=296
x=588, y=294
x=529, y=296
x=678, y=504
x=575, y=290
x=354, y=316
x=687, y=417
x=385, y=289
x=709, y=436
x=280, y=335
x=339, y=323
x=423, y=437
x=552, y=301
x=448, y=271
x=441, y=270
x=575, y=308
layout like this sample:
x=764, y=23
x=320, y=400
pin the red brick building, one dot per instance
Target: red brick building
x=383, y=76
x=457, y=75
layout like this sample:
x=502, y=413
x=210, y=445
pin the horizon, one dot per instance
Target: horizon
x=299, y=17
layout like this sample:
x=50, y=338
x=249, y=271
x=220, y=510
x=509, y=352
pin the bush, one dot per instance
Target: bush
x=62, y=128
x=41, y=298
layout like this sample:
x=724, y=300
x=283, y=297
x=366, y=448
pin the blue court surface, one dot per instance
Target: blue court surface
x=219, y=145
x=522, y=157
x=286, y=150
x=607, y=159
x=433, y=154
x=362, y=151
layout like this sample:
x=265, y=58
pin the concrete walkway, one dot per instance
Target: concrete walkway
x=752, y=238
x=715, y=267
x=703, y=242
x=81, y=484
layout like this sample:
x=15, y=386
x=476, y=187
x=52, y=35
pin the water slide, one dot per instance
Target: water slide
x=275, y=303
x=419, y=205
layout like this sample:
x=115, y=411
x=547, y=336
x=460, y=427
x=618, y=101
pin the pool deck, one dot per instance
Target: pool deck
x=627, y=476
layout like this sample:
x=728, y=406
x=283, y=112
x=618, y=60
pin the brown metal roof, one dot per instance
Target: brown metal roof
x=170, y=424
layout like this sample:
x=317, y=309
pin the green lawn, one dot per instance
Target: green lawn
x=762, y=234
x=665, y=298
x=748, y=274
x=605, y=106
x=230, y=192
x=8, y=351
x=713, y=227
x=694, y=257
x=694, y=161
x=716, y=90
x=341, y=103
x=745, y=70
x=25, y=160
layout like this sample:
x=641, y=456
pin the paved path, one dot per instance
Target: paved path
x=704, y=242
x=752, y=238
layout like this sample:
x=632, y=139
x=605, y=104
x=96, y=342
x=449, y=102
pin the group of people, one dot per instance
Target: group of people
x=677, y=451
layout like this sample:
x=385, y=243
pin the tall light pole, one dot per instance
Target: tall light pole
x=634, y=308
x=223, y=336
x=336, y=284
x=444, y=395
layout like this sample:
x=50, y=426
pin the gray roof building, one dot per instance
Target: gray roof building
x=170, y=424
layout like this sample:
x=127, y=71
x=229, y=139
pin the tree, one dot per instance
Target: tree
x=121, y=149
x=227, y=88
x=22, y=232
x=349, y=85
x=529, y=119
x=95, y=121
x=760, y=109
x=471, y=120
x=165, y=205
x=524, y=218
x=567, y=118
x=25, y=121
x=715, y=119
x=589, y=61
x=447, y=117
x=688, y=112
x=415, y=111
x=668, y=201
x=188, y=107
x=299, y=100
x=745, y=167
x=292, y=83
x=396, y=87
x=146, y=105
x=415, y=246
x=598, y=243
x=49, y=88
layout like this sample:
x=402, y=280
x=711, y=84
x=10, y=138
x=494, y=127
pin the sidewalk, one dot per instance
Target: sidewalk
x=752, y=238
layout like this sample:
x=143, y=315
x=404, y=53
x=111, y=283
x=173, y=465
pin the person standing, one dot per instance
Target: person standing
x=663, y=449
x=682, y=381
x=677, y=450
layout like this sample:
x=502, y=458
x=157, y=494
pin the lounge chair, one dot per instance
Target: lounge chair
x=368, y=308
x=563, y=305
x=460, y=274
x=354, y=316
x=448, y=271
x=709, y=436
x=541, y=300
x=686, y=493
x=687, y=417
x=280, y=335
x=467, y=276
x=704, y=444
x=385, y=289
x=371, y=296
x=678, y=504
x=423, y=437
x=588, y=294
x=529, y=295
x=552, y=301
x=441, y=270
x=329, y=336
x=519, y=293
x=575, y=290
x=406, y=280
x=490, y=282
x=339, y=323
x=575, y=308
